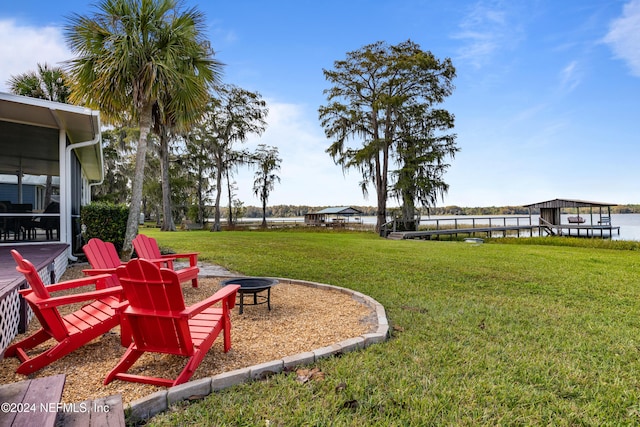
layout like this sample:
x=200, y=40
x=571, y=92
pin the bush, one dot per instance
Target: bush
x=106, y=221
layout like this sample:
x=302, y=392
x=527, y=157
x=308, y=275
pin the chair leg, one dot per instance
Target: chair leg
x=190, y=368
x=194, y=282
x=226, y=330
x=128, y=359
x=33, y=364
x=126, y=337
x=28, y=343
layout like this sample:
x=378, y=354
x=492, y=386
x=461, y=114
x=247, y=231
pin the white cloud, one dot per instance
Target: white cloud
x=624, y=36
x=23, y=47
x=570, y=76
x=485, y=30
x=308, y=174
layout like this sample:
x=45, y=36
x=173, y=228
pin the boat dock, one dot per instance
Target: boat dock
x=471, y=226
x=603, y=230
x=596, y=222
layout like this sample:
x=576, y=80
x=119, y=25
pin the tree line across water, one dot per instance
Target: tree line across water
x=288, y=211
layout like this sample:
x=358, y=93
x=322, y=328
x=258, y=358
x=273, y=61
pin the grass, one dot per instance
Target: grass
x=514, y=331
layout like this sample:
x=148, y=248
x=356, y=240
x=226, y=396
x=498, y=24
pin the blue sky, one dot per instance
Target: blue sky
x=547, y=98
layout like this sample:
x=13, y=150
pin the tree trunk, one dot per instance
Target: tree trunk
x=216, y=217
x=264, y=211
x=230, y=220
x=381, y=187
x=408, y=207
x=200, y=199
x=167, y=214
x=138, y=178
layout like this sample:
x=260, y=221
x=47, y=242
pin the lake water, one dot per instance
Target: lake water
x=629, y=223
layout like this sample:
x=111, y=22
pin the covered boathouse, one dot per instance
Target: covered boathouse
x=586, y=218
x=332, y=217
x=42, y=140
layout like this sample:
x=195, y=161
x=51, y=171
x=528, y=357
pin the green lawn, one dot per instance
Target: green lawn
x=489, y=334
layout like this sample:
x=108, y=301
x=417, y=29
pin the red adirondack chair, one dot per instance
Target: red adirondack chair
x=103, y=258
x=147, y=248
x=71, y=331
x=161, y=323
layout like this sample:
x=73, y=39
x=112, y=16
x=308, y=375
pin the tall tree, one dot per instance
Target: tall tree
x=231, y=117
x=371, y=89
x=200, y=166
x=50, y=83
x=162, y=128
x=167, y=121
x=128, y=54
x=117, y=146
x=422, y=149
x=267, y=161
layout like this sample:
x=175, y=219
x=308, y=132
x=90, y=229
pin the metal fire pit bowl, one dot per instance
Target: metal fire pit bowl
x=253, y=285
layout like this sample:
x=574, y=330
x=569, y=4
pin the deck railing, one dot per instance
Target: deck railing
x=475, y=222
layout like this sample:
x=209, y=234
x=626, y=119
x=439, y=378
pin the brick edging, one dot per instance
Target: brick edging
x=153, y=404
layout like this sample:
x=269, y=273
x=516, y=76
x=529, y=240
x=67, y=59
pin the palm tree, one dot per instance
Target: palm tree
x=128, y=56
x=50, y=83
x=268, y=161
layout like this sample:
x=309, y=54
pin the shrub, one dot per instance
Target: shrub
x=106, y=221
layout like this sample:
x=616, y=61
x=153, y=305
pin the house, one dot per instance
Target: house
x=40, y=138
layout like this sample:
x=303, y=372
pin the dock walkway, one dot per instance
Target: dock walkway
x=503, y=226
x=488, y=231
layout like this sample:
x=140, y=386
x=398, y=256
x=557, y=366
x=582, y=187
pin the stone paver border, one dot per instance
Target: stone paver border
x=160, y=401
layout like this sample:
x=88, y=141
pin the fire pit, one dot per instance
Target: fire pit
x=253, y=285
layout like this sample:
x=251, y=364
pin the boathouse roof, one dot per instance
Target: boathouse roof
x=340, y=210
x=568, y=203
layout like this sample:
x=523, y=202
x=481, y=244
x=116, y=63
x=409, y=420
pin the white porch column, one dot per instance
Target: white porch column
x=65, y=189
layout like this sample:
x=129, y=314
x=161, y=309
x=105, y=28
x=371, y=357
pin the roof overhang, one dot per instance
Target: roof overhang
x=340, y=210
x=568, y=203
x=29, y=136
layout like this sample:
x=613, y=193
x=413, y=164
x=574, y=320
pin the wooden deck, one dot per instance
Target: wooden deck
x=36, y=402
x=508, y=225
x=28, y=403
x=41, y=255
x=471, y=231
x=582, y=230
x=50, y=261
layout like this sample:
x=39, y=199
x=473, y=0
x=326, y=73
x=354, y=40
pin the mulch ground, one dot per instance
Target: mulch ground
x=302, y=319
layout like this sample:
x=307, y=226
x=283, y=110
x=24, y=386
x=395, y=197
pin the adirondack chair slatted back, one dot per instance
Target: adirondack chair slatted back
x=155, y=306
x=49, y=318
x=103, y=255
x=146, y=247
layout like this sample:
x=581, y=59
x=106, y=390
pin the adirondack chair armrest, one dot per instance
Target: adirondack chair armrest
x=122, y=306
x=98, y=271
x=72, y=299
x=193, y=257
x=228, y=292
x=162, y=262
x=76, y=283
